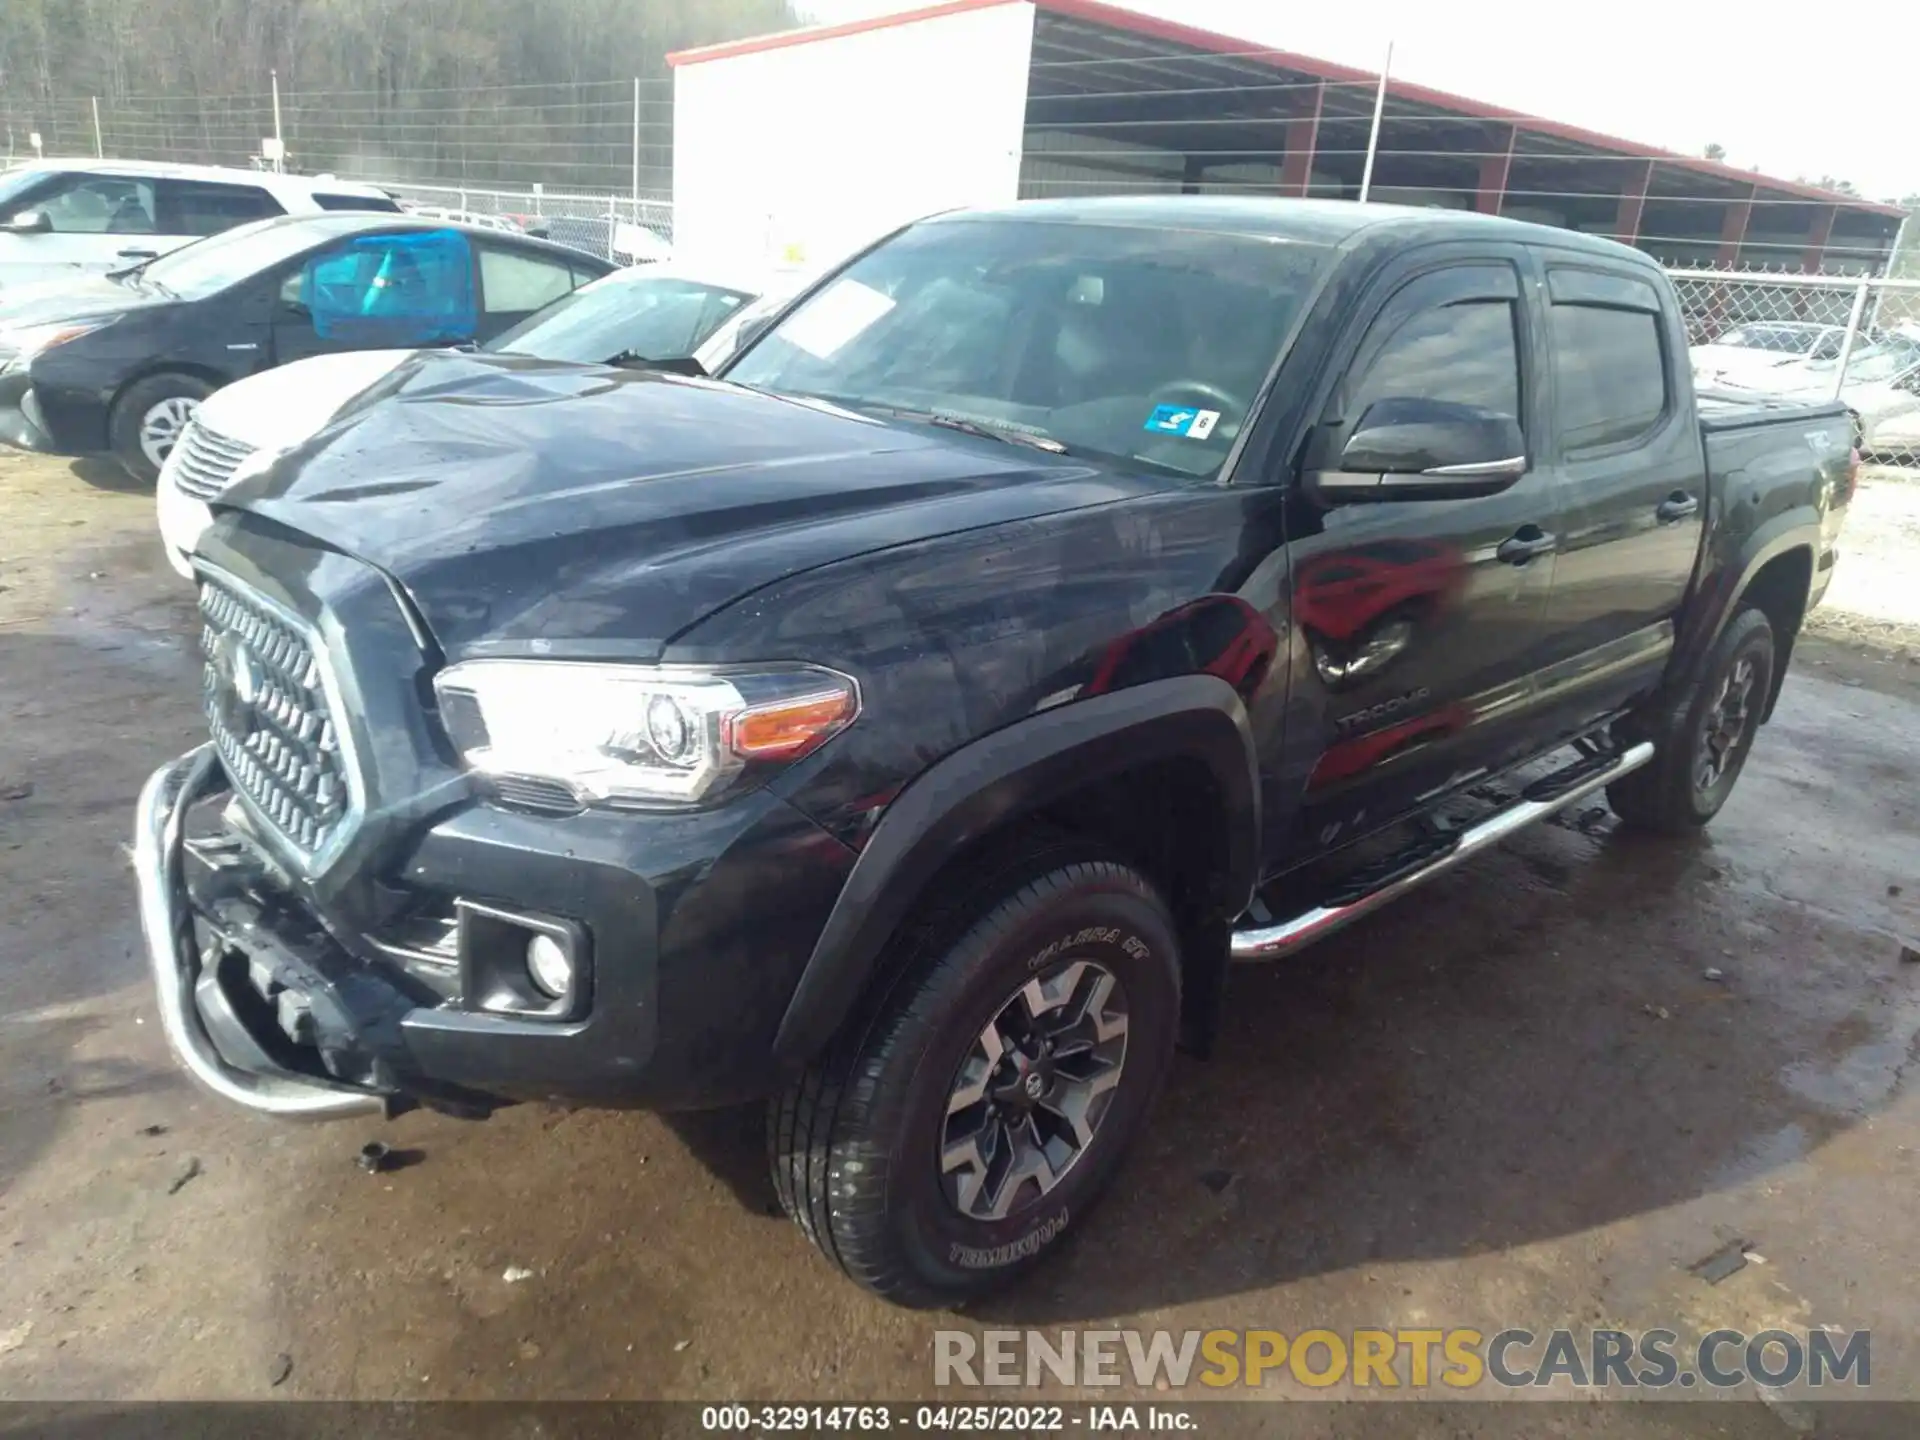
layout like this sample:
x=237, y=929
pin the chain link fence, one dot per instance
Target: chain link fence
x=1814, y=337
x=590, y=166
x=616, y=227
x=587, y=164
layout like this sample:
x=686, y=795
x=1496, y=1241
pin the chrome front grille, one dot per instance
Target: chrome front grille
x=206, y=460
x=266, y=703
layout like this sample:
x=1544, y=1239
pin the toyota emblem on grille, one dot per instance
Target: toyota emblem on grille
x=239, y=683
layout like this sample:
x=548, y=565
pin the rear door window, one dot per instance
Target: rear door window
x=513, y=282
x=384, y=204
x=408, y=289
x=196, y=207
x=1609, y=374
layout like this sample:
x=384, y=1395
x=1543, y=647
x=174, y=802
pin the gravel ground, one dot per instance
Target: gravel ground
x=1874, y=599
x=1518, y=1098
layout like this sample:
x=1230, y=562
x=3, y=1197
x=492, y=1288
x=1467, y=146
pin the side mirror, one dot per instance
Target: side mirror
x=29, y=222
x=1413, y=449
x=752, y=331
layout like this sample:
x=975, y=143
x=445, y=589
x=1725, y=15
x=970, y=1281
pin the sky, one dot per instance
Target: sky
x=1676, y=75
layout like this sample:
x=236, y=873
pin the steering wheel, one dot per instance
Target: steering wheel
x=1211, y=397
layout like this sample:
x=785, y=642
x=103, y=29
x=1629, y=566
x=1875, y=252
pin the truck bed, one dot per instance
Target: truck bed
x=1722, y=411
x=1749, y=438
x=1778, y=453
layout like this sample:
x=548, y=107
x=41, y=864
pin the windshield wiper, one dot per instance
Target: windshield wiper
x=136, y=276
x=1006, y=434
x=1011, y=435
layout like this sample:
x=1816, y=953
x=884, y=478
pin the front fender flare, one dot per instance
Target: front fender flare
x=1012, y=772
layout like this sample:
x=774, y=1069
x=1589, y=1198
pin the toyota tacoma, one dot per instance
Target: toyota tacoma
x=910, y=724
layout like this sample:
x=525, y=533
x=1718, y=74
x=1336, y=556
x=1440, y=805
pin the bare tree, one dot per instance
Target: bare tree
x=420, y=84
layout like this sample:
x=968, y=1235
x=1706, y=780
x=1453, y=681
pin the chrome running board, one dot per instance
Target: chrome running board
x=1271, y=942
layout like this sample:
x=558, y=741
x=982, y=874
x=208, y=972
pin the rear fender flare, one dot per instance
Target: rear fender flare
x=1726, y=585
x=1013, y=772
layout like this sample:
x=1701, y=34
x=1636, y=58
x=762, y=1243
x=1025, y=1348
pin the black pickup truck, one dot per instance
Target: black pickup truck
x=912, y=722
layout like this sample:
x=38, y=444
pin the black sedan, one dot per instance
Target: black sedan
x=120, y=363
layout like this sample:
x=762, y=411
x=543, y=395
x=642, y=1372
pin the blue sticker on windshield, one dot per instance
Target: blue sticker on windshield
x=1182, y=420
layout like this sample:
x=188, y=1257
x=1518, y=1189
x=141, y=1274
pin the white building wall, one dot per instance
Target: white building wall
x=795, y=155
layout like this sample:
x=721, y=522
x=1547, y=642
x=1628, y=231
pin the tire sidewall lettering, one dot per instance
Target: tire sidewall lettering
x=969, y=1257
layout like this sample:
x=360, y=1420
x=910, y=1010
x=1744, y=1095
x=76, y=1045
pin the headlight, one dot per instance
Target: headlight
x=27, y=341
x=639, y=736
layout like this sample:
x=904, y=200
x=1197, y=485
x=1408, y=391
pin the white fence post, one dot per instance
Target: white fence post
x=1853, y=332
x=279, y=140
x=1373, y=135
x=99, y=146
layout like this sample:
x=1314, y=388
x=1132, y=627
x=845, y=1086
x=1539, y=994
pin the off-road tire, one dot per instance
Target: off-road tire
x=855, y=1142
x=1663, y=795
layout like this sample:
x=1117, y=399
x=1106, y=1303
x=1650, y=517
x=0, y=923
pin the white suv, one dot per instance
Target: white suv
x=59, y=217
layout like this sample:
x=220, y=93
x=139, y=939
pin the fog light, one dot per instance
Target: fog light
x=550, y=966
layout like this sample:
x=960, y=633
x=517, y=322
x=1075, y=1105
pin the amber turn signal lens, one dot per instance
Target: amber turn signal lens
x=788, y=729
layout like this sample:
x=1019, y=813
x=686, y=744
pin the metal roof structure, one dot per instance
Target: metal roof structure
x=1118, y=84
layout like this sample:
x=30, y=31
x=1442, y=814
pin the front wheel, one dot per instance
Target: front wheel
x=149, y=418
x=950, y=1141
x=1702, y=740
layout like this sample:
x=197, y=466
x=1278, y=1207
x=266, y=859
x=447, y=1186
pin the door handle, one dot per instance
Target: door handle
x=1676, y=506
x=1525, y=543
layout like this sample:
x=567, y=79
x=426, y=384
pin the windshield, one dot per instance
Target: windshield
x=1782, y=339
x=206, y=267
x=646, y=317
x=1134, y=344
x=17, y=182
x=1876, y=364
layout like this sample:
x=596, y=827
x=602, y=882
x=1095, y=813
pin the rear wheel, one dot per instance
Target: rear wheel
x=1701, y=741
x=951, y=1140
x=150, y=417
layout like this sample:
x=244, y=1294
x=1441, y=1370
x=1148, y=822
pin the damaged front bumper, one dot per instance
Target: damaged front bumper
x=22, y=424
x=191, y=1002
x=689, y=935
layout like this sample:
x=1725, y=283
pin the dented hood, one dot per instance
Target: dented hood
x=524, y=503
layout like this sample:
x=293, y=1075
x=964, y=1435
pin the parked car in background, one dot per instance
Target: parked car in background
x=910, y=723
x=631, y=317
x=119, y=362
x=618, y=240
x=1896, y=439
x=1881, y=387
x=635, y=315
x=475, y=218
x=63, y=217
x=1742, y=355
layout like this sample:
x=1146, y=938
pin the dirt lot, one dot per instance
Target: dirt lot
x=1533, y=1094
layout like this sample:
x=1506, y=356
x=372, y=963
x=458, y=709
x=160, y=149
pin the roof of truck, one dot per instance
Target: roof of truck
x=1319, y=222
